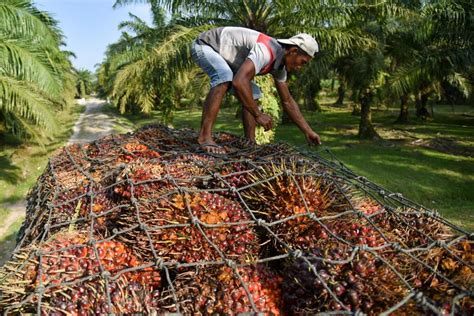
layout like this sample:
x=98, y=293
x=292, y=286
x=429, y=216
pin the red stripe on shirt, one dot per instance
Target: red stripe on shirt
x=265, y=40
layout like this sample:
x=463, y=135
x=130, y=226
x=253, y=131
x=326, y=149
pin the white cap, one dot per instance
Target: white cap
x=304, y=41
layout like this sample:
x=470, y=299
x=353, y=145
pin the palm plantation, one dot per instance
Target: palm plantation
x=390, y=93
x=409, y=53
x=383, y=47
x=399, y=51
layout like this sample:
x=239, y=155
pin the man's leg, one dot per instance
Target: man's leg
x=209, y=114
x=249, y=125
x=248, y=119
x=221, y=76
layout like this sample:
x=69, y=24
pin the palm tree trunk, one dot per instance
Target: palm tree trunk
x=355, y=102
x=310, y=93
x=341, y=93
x=403, y=117
x=366, y=129
x=310, y=102
x=420, y=102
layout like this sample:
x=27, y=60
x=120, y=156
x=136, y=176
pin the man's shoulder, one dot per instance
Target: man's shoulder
x=240, y=31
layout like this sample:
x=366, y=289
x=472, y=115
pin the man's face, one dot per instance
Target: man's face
x=295, y=60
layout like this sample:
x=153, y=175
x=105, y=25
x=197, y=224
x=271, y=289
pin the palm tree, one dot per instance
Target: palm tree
x=441, y=50
x=135, y=73
x=33, y=69
x=366, y=69
x=280, y=18
x=84, y=83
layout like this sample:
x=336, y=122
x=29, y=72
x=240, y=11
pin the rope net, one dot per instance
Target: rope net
x=144, y=223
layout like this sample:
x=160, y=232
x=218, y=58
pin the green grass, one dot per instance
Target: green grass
x=22, y=162
x=442, y=181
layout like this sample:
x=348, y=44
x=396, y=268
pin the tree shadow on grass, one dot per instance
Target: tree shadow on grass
x=9, y=172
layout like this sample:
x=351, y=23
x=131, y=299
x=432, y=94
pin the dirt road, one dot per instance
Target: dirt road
x=93, y=123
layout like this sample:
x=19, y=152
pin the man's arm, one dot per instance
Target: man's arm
x=243, y=91
x=293, y=110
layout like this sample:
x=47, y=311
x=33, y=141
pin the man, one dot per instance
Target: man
x=232, y=57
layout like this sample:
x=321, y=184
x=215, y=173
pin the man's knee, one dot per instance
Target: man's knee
x=225, y=85
x=222, y=87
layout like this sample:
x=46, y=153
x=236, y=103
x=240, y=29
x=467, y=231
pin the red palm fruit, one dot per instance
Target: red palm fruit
x=185, y=242
x=162, y=138
x=135, y=150
x=455, y=263
x=146, y=180
x=105, y=149
x=68, y=205
x=411, y=229
x=188, y=243
x=351, y=283
x=221, y=291
x=231, y=175
x=189, y=169
x=69, y=258
x=366, y=205
x=227, y=138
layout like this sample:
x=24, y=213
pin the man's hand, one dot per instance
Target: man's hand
x=264, y=120
x=313, y=138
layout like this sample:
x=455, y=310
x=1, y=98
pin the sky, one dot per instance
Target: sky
x=90, y=25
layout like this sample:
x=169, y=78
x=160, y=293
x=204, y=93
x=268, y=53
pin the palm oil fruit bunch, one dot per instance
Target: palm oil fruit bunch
x=366, y=205
x=186, y=170
x=411, y=229
x=105, y=149
x=161, y=137
x=141, y=180
x=221, y=290
x=104, y=210
x=454, y=262
x=327, y=280
x=136, y=150
x=68, y=274
x=293, y=198
x=192, y=227
x=54, y=198
x=67, y=206
x=269, y=152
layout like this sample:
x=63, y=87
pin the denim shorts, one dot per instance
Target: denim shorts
x=216, y=67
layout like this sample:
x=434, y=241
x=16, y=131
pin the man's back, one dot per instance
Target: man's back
x=235, y=44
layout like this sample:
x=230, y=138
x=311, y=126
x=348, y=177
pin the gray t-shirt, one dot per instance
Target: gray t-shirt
x=235, y=44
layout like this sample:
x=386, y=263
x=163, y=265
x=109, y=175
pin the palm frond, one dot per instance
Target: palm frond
x=34, y=72
x=26, y=62
x=25, y=101
x=120, y=3
x=118, y=61
x=137, y=82
x=462, y=83
x=136, y=25
x=20, y=18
